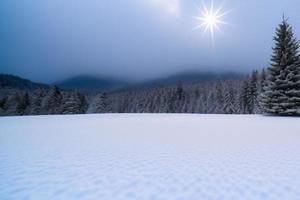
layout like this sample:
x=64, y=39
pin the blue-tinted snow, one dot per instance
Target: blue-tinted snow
x=153, y=157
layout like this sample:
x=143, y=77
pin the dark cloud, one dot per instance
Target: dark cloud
x=53, y=39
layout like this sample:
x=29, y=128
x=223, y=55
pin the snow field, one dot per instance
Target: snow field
x=150, y=156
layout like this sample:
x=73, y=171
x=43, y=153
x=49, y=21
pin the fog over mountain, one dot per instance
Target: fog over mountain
x=94, y=84
x=51, y=40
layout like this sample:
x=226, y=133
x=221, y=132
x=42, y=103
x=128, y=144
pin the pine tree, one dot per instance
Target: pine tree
x=282, y=90
x=99, y=104
x=24, y=102
x=253, y=93
x=16, y=104
x=229, y=101
x=83, y=102
x=262, y=82
x=219, y=97
x=36, y=104
x=2, y=106
x=178, y=99
x=210, y=106
x=73, y=104
x=260, y=90
x=244, y=102
x=186, y=104
x=52, y=103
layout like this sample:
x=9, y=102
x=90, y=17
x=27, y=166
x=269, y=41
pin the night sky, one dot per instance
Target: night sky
x=49, y=40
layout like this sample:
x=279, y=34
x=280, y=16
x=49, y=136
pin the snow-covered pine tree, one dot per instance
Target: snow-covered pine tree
x=219, y=97
x=229, y=100
x=98, y=104
x=282, y=90
x=73, y=104
x=52, y=102
x=210, y=106
x=178, y=98
x=202, y=100
x=171, y=102
x=123, y=107
x=141, y=104
x=16, y=104
x=83, y=102
x=262, y=81
x=244, y=102
x=253, y=93
x=192, y=99
x=156, y=102
x=36, y=103
x=2, y=106
x=24, y=102
x=10, y=105
x=200, y=104
x=186, y=104
x=260, y=89
x=165, y=103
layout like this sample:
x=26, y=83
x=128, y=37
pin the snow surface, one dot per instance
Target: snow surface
x=184, y=157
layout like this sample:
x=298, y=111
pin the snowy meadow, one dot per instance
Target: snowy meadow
x=218, y=100
x=149, y=156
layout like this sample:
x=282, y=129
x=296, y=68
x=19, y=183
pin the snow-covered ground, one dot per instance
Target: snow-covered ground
x=184, y=157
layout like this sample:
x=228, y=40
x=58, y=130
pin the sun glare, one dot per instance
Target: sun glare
x=210, y=19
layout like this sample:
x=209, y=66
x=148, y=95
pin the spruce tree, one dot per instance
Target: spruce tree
x=2, y=106
x=260, y=89
x=24, y=102
x=229, y=102
x=262, y=81
x=99, y=104
x=37, y=98
x=178, y=99
x=244, y=98
x=52, y=102
x=72, y=104
x=219, y=97
x=253, y=93
x=281, y=94
x=16, y=104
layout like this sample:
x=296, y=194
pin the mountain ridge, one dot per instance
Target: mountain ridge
x=16, y=82
x=90, y=83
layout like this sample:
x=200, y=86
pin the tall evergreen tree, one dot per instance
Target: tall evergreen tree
x=99, y=104
x=229, y=104
x=282, y=90
x=37, y=98
x=244, y=102
x=2, y=106
x=52, y=103
x=220, y=98
x=24, y=102
x=73, y=104
x=16, y=104
x=260, y=90
x=178, y=98
x=262, y=81
x=253, y=93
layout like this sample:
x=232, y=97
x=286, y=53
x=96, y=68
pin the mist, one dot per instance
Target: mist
x=51, y=40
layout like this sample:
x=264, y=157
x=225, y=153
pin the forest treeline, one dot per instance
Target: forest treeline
x=213, y=97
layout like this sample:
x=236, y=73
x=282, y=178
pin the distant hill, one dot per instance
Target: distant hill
x=85, y=83
x=187, y=78
x=91, y=84
x=15, y=82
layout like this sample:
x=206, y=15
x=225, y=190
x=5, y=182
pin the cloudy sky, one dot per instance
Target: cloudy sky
x=48, y=40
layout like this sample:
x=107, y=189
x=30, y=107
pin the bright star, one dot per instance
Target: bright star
x=211, y=19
